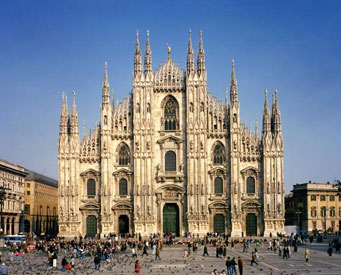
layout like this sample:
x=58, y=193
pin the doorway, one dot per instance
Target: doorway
x=171, y=219
x=251, y=224
x=91, y=226
x=123, y=224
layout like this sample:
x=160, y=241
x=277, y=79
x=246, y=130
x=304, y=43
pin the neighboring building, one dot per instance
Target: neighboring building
x=12, y=177
x=314, y=206
x=171, y=158
x=41, y=204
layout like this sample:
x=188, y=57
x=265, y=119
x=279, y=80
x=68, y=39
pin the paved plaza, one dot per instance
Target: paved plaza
x=172, y=262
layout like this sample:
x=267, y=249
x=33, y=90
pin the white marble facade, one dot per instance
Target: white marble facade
x=171, y=157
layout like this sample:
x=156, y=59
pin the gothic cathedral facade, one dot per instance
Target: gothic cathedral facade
x=171, y=158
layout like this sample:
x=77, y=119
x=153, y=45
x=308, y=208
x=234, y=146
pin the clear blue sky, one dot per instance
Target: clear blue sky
x=293, y=46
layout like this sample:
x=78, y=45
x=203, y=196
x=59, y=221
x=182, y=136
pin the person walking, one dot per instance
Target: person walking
x=205, y=251
x=307, y=254
x=157, y=254
x=145, y=250
x=64, y=263
x=185, y=256
x=228, y=265
x=330, y=252
x=253, y=259
x=233, y=266
x=240, y=265
x=97, y=262
x=137, y=268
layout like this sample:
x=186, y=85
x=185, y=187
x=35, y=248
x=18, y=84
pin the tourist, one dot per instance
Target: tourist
x=228, y=265
x=137, y=268
x=233, y=266
x=214, y=272
x=4, y=269
x=307, y=254
x=64, y=263
x=145, y=249
x=223, y=272
x=330, y=252
x=253, y=259
x=157, y=254
x=23, y=254
x=97, y=262
x=185, y=256
x=205, y=251
x=16, y=254
x=72, y=263
x=240, y=265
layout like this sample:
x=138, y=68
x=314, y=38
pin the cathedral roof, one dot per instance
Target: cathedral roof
x=169, y=75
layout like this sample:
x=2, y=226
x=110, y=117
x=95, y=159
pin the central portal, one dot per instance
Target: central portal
x=171, y=218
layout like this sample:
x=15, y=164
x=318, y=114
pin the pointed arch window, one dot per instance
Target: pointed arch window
x=91, y=188
x=123, y=155
x=170, y=161
x=250, y=185
x=171, y=110
x=218, y=186
x=219, y=154
x=123, y=187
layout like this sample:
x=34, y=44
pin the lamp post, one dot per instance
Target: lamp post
x=2, y=199
x=298, y=220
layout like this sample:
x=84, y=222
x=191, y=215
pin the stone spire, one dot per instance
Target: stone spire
x=233, y=86
x=148, y=56
x=266, y=115
x=190, y=54
x=226, y=99
x=74, y=116
x=276, y=114
x=137, y=56
x=105, y=86
x=84, y=130
x=201, y=56
x=64, y=115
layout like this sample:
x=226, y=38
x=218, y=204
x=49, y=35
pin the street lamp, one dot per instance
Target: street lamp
x=298, y=220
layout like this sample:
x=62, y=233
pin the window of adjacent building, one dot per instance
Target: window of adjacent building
x=323, y=211
x=28, y=184
x=332, y=211
x=170, y=161
x=332, y=198
x=28, y=192
x=313, y=212
x=41, y=210
x=27, y=209
x=91, y=188
x=313, y=198
x=314, y=225
x=48, y=211
x=332, y=225
x=170, y=114
x=323, y=198
x=54, y=211
x=219, y=154
x=123, y=155
x=250, y=185
x=123, y=187
x=218, y=186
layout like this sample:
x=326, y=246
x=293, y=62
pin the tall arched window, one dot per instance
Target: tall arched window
x=123, y=155
x=323, y=211
x=218, y=186
x=219, y=154
x=332, y=212
x=313, y=212
x=170, y=161
x=170, y=114
x=250, y=185
x=123, y=187
x=91, y=188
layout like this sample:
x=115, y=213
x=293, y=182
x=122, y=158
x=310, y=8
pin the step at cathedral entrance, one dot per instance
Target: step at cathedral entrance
x=171, y=218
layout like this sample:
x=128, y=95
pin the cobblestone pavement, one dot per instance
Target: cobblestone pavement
x=172, y=263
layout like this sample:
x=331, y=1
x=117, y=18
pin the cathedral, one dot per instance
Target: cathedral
x=170, y=157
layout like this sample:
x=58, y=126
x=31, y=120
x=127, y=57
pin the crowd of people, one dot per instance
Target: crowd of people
x=113, y=247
